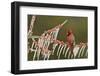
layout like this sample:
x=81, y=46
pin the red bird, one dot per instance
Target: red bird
x=70, y=38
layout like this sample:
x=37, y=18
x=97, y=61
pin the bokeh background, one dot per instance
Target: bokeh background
x=79, y=26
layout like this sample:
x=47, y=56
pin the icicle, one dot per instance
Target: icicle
x=44, y=57
x=64, y=48
x=60, y=51
x=48, y=55
x=31, y=26
x=69, y=54
x=38, y=53
x=83, y=50
x=86, y=54
x=54, y=47
x=66, y=51
x=32, y=45
x=34, y=55
x=75, y=50
x=80, y=51
x=35, y=51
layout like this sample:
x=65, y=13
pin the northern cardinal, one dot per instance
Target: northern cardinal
x=70, y=38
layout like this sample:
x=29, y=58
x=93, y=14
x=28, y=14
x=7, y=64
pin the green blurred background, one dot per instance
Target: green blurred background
x=79, y=26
